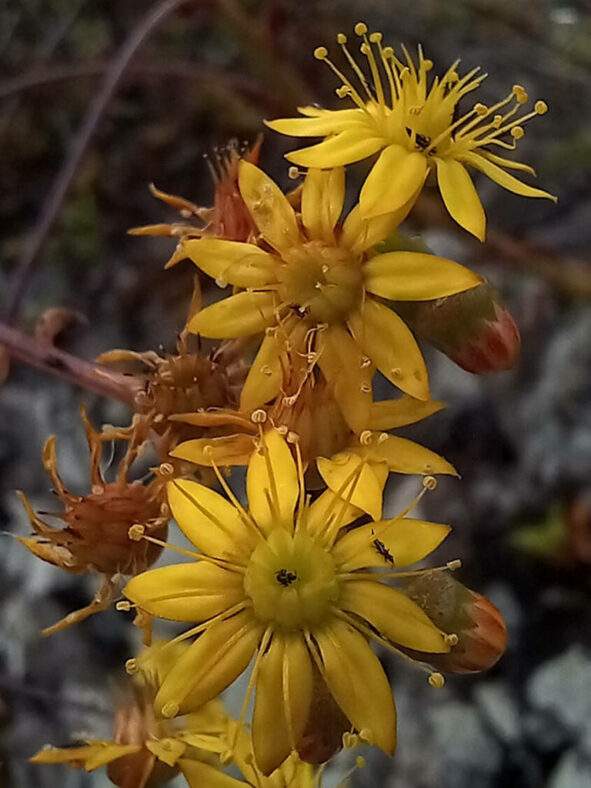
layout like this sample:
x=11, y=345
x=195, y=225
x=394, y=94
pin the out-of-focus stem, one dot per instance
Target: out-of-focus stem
x=44, y=356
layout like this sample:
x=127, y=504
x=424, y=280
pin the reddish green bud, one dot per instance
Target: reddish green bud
x=457, y=610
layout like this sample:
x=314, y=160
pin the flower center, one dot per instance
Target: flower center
x=321, y=282
x=291, y=580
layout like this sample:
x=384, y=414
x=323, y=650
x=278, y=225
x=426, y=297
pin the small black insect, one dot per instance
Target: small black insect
x=421, y=140
x=382, y=550
x=284, y=577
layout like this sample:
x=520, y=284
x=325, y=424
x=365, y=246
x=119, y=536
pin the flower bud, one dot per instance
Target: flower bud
x=479, y=626
x=323, y=734
x=472, y=328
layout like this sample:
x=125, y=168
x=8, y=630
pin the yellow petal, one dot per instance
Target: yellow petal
x=396, y=176
x=212, y=523
x=407, y=541
x=268, y=206
x=361, y=232
x=108, y=753
x=195, y=591
x=327, y=123
x=167, y=750
x=327, y=509
x=508, y=164
x=389, y=343
x=348, y=374
x=73, y=755
x=225, y=450
x=358, y=683
x=202, y=775
x=391, y=413
x=272, y=483
x=265, y=376
x=404, y=456
x=393, y=615
x=415, y=276
x=231, y=262
x=323, y=195
x=504, y=179
x=460, y=197
x=210, y=664
x=345, y=148
x=238, y=315
x=345, y=472
x=283, y=698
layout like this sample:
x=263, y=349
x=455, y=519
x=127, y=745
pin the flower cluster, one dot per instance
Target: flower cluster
x=305, y=576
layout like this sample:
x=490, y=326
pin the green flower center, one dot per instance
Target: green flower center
x=321, y=282
x=291, y=581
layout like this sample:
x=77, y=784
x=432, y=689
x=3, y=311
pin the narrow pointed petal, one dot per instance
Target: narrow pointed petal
x=361, y=232
x=167, y=750
x=404, y=456
x=210, y=664
x=407, y=541
x=265, y=376
x=232, y=262
x=323, y=195
x=268, y=206
x=388, y=611
x=328, y=123
x=238, y=315
x=389, y=343
x=415, y=276
x=391, y=413
x=225, y=450
x=460, y=197
x=345, y=472
x=508, y=164
x=396, y=176
x=504, y=179
x=272, y=483
x=345, y=148
x=199, y=774
x=348, y=374
x=284, y=692
x=195, y=591
x=111, y=752
x=209, y=521
x=358, y=683
x=327, y=509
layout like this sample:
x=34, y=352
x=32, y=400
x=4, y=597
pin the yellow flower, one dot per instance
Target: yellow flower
x=415, y=124
x=147, y=749
x=286, y=581
x=314, y=287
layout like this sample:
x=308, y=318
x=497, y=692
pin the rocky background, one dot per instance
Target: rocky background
x=208, y=72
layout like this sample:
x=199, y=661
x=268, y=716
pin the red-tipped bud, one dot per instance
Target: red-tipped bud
x=323, y=734
x=472, y=328
x=477, y=623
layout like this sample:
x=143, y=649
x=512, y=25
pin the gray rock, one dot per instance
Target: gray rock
x=560, y=688
x=499, y=710
x=572, y=771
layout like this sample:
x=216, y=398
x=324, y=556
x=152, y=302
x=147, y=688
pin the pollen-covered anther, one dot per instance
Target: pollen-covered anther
x=517, y=132
x=166, y=469
x=259, y=416
x=454, y=565
x=292, y=437
x=132, y=666
x=293, y=173
x=541, y=107
x=170, y=710
x=365, y=437
x=430, y=482
x=136, y=532
x=321, y=53
x=360, y=29
x=480, y=109
x=436, y=680
x=451, y=639
x=123, y=606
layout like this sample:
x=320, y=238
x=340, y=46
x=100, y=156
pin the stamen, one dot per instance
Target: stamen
x=245, y=515
x=451, y=566
x=342, y=41
x=268, y=633
x=436, y=680
x=273, y=501
x=294, y=439
x=321, y=53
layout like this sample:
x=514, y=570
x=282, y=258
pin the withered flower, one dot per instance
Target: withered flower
x=95, y=538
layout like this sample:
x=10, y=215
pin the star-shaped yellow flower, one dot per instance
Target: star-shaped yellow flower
x=284, y=581
x=312, y=282
x=415, y=124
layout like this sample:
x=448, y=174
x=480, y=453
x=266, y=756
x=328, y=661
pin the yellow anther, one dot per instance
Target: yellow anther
x=376, y=38
x=365, y=49
x=289, y=402
x=166, y=468
x=320, y=53
x=520, y=94
x=480, y=109
x=365, y=437
x=360, y=29
x=383, y=437
x=170, y=709
x=208, y=450
x=292, y=437
x=541, y=107
x=427, y=65
x=497, y=120
x=436, y=680
x=430, y=482
x=293, y=173
x=221, y=282
x=136, y=532
x=453, y=77
x=517, y=132
x=365, y=389
x=396, y=372
x=388, y=52
x=341, y=38
x=453, y=565
x=366, y=735
x=343, y=91
x=259, y=416
x=132, y=666
x=282, y=430
x=360, y=762
x=123, y=606
x=452, y=639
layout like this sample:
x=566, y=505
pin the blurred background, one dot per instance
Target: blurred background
x=97, y=100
